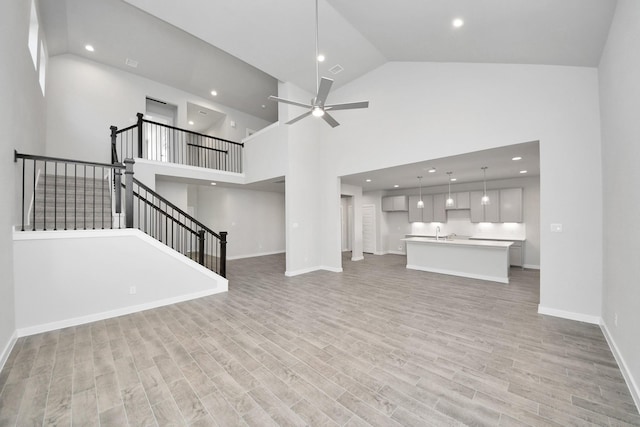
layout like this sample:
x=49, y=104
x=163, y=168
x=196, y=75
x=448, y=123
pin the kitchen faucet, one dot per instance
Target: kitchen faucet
x=438, y=233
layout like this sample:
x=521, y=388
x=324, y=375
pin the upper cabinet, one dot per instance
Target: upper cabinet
x=394, y=204
x=485, y=213
x=439, y=212
x=460, y=200
x=511, y=205
x=417, y=214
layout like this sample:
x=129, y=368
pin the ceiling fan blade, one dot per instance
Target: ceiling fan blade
x=300, y=117
x=347, y=106
x=286, y=101
x=323, y=90
x=327, y=118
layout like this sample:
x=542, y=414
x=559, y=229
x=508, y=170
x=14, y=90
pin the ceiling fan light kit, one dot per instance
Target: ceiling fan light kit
x=318, y=107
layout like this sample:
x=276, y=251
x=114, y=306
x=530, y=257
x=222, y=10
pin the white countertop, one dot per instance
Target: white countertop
x=463, y=242
x=508, y=239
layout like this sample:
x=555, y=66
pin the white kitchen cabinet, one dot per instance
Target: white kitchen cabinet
x=485, y=213
x=421, y=215
x=460, y=200
x=511, y=205
x=395, y=204
x=439, y=210
x=516, y=253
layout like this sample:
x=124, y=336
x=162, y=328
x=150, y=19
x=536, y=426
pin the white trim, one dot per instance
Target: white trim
x=634, y=389
x=312, y=269
x=580, y=317
x=177, y=166
x=531, y=266
x=301, y=271
x=459, y=273
x=31, y=330
x=7, y=349
x=378, y=253
x=254, y=255
x=396, y=253
x=357, y=258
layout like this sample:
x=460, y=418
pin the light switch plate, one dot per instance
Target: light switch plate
x=556, y=228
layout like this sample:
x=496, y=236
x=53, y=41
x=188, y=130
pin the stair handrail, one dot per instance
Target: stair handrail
x=17, y=156
x=141, y=117
x=174, y=207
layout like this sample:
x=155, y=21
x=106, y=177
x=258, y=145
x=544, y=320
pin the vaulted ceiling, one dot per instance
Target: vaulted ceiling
x=241, y=48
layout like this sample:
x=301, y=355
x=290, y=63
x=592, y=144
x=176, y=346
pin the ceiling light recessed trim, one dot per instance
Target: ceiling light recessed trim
x=214, y=93
x=320, y=58
x=396, y=185
x=524, y=171
x=131, y=63
x=89, y=48
x=457, y=22
x=367, y=180
x=432, y=170
x=515, y=159
x=214, y=183
x=191, y=122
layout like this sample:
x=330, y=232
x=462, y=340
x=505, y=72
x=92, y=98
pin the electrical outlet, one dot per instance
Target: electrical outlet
x=615, y=319
x=132, y=290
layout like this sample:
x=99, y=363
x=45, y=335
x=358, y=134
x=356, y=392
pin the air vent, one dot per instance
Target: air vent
x=204, y=113
x=336, y=69
x=131, y=63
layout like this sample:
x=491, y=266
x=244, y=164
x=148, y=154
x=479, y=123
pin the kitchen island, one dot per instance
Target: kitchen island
x=477, y=259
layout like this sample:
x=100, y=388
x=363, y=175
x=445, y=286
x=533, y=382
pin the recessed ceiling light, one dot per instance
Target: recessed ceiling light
x=523, y=171
x=131, y=63
x=432, y=170
x=191, y=122
x=517, y=158
x=367, y=180
x=457, y=23
x=263, y=106
x=213, y=183
x=214, y=93
x=89, y=48
x=321, y=58
x=395, y=186
x=454, y=179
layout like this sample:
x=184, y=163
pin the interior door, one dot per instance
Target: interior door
x=368, y=229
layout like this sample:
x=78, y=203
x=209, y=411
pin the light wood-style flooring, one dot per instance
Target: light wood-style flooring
x=376, y=345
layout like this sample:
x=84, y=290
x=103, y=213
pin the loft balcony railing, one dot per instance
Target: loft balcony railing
x=64, y=194
x=163, y=143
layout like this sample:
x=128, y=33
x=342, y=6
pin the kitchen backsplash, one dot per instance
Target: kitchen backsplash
x=458, y=223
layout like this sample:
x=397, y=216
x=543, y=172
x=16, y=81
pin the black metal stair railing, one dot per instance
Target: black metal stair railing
x=64, y=194
x=167, y=223
x=163, y=143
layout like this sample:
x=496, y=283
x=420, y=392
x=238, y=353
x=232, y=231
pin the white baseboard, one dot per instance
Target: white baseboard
x=378, y=253
x=7, y=349
x=37, y=329
x=396, y=252
x=634, y=389
x=357, y=258
x=311, y=269
x=580, y=317
x=532, y=266
x=254, y=255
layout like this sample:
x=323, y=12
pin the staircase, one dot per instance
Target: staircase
x=71, y=203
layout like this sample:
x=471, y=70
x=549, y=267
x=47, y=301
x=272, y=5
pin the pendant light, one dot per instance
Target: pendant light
x=420, y=204
x=449, y=202
x=485, y=199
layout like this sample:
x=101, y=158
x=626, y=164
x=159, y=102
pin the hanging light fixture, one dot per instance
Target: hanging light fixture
x=449, y=202
x=420, y=204
x=485, y=199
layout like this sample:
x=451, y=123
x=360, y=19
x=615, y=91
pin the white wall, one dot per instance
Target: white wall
x=472, y=107
x=71, y=292
x=22, y=121
x=620, y=107
x=375, y=198
x=356, y=232
x=254, y=219
x=84, y=98
x=175, y=192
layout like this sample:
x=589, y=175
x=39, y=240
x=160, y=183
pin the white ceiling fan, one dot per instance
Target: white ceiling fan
x=318, y=107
